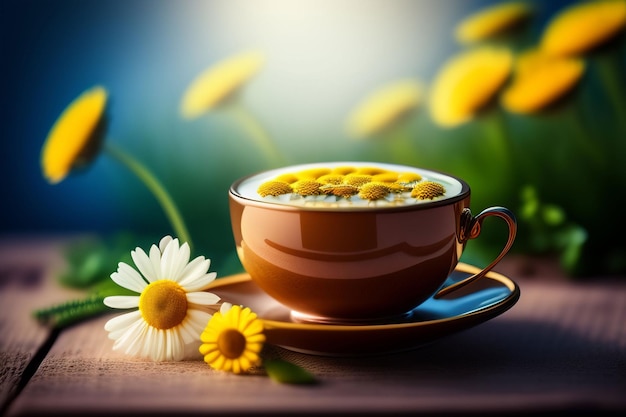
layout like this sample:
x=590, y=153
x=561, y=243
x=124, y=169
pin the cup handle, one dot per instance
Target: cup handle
x=470, y=229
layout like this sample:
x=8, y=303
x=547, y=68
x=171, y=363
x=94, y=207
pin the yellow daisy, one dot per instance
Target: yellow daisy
x=540, y=80
x=583, y=26
x=171, y=310
x=491, y=21
x=233, y=339
x=76, y=136
x=467, y=82
x=384, y=108
x=75, y=140
x=218, y=83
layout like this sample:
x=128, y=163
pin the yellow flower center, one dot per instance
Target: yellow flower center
x=163, y=304
x=231, y=343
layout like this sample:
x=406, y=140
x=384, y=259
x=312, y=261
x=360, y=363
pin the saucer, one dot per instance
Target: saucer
x=473, y=304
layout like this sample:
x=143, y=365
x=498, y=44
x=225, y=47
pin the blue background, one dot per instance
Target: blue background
x=322, y=57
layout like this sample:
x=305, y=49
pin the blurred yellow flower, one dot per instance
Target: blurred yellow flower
x=581, y=27
x=220, y=82
x=384, y=108
x=491, y=21
x=75, y=140
x=539, y=80
x=467, y=82
x=76, y=136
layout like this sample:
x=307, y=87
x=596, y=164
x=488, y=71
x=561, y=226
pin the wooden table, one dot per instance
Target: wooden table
x=562, y=347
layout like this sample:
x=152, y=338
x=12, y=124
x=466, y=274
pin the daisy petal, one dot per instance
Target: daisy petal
x=181, y=260
x=169, y=259
x=155, y=259
x=131, y=335
x=146, y=349
x=122, y=301
x=128, y=278
x=187, y=334
x=202, y=298
x=160, y=344
x=164, y=242
x=176, y=351
x=142, y=261
x=122, y=321
x=136, y=342
x=201, y=283
x=196, y=268
x=196, y=320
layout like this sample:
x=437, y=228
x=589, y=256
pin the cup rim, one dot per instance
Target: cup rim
x=235, y=194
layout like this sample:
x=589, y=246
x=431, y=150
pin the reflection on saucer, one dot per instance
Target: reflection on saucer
x=475, y=303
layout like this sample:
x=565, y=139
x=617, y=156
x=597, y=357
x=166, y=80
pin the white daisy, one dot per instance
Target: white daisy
x=171, y=306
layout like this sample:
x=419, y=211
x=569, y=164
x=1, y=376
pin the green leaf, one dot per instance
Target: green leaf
x=91, y=260
x=287, y=373
x=553, y=215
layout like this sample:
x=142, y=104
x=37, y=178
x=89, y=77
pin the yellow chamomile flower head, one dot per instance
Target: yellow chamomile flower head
x=539, y=80
x=76, y=136
x=583, y=26
x=467, y=82
x=306, y=187
x=274, y=188
x=233, y=339
x=384, y=108
x=491, y=21
x=428, y=190
x=172, y=307
x=218, y=83
x=374, y=191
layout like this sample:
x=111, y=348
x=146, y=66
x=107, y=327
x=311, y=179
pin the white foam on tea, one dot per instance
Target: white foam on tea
x=248, y=188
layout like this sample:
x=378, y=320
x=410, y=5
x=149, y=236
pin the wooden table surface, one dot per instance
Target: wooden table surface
x=562, y=347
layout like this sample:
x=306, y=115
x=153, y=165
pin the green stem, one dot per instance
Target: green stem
x=257, y=132
x=73, y=311
x=612, y=82
x=574, y=119
x=499, y=163
x=496, y=137
x=401, y=144
x=155, y=187
x=497, y=148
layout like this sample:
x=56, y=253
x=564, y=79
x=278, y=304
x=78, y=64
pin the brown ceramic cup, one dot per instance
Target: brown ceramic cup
x=351, y=260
